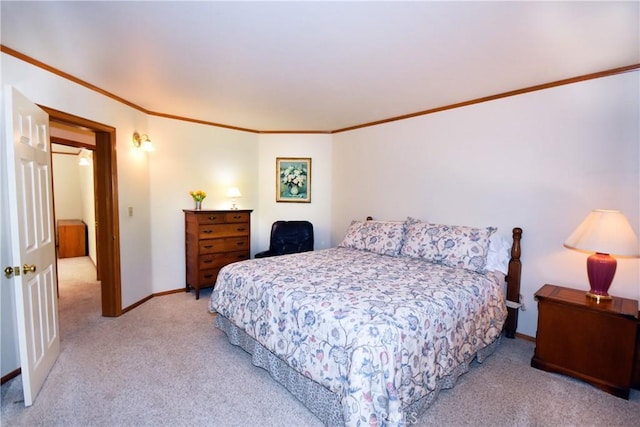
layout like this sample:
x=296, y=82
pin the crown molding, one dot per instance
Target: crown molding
x=597, y=75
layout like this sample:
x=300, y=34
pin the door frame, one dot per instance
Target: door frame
x=106, y=206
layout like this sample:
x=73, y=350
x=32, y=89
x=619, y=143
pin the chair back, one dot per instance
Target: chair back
x=289, y=237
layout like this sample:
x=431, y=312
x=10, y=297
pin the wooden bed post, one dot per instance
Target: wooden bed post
x=513, y=285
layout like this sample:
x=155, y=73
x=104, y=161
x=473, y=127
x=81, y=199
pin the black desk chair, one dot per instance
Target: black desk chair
x=289, y=237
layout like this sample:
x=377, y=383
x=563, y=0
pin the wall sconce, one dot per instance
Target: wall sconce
x=142, y=141
x=84, y=157
x=606, y=233
x=234, y=193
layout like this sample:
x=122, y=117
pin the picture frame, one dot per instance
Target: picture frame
x=293, y=179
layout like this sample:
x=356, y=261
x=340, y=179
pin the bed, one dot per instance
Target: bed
x=369, y=332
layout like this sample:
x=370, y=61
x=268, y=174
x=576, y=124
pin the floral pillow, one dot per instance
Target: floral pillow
x=382, y=237
x=450, y=245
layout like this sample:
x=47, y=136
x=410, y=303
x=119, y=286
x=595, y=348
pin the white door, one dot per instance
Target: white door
x=27, y=158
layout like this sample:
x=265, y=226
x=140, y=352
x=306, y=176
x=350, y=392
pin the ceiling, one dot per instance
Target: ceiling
x=319, y=66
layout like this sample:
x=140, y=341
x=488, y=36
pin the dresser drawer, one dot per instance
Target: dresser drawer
x=207, y=277
x=221, y=259
x=236, y=217
x=210, y=218
x=223, y=245
x=222, y=230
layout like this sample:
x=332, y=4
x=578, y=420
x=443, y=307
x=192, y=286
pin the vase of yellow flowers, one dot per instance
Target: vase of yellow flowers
x=198, y=196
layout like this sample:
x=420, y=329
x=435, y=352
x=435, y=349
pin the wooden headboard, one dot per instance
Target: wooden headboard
x=513, y=285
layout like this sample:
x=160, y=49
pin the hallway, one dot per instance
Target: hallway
x=79, y=303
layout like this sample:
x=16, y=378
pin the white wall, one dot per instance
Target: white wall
x=88, y=205
x=318, y=212
x=540, y=161
x=66, y=186
x=191, y=156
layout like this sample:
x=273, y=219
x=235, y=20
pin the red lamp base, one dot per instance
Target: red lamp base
x=600, y=268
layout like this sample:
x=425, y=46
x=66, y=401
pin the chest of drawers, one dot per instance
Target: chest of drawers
x=214, y=239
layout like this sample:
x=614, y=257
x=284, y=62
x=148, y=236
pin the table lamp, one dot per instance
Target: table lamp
x=606, y=233
x=233, y=193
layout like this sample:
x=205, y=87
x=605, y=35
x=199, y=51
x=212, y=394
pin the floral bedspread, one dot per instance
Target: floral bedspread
x=375, y=329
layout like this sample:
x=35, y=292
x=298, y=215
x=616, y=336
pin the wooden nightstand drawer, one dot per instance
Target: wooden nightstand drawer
x=591, y=341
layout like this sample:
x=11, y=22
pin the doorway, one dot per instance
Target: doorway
x=73, y=190
x=106, y=206
x=79, y=294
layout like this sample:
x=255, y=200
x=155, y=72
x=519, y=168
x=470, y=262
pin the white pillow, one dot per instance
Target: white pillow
x=499, y=254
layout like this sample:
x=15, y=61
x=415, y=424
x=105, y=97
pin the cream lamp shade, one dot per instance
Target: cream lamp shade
x=605, y=232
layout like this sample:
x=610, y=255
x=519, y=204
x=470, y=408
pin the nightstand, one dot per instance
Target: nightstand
x=594, y=342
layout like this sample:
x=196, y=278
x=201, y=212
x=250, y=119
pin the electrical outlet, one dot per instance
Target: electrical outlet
x=130, y=210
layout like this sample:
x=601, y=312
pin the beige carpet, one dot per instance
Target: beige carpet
x=164, y=364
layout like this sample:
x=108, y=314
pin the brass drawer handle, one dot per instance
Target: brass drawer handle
x=240, y=243
x=208, y=276
x=212, y=217
x=241, y=229
x=207, y=231
x=209, y=261
x=237, y=216
x=208, y=246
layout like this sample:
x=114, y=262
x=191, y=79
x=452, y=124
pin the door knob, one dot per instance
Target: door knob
x=28, y=268
x=8, y=271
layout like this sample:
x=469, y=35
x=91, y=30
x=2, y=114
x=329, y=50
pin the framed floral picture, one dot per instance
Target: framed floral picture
x=293, y=179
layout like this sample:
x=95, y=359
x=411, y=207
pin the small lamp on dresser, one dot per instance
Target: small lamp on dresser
x=605, y=233
x=233, y=193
